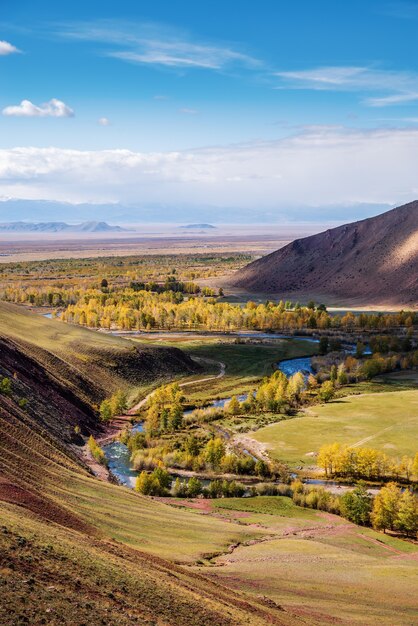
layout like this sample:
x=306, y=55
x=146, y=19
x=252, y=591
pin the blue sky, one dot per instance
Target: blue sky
x=268, y=105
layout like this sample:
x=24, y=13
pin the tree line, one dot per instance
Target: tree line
x=347, y=462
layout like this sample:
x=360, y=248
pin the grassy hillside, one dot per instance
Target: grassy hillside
x=89, y=363
x=86, y=551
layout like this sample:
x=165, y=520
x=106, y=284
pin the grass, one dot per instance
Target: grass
x=148, y=524
x=50, y=575
x=245, y=364
x=267, y=505
x=89, y=361
x=320, y=568
x=387, y=421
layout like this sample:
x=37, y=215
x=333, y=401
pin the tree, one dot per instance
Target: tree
x=162, y=476
x=118, y=403
x=415, y=465
x=407, y=518
x=342, y=376
x=262, y=469
x=385, y=507
x=106, y=411
x=234, y=406
x=214, y=451
x=192, y=446
x=194, y=487
x=356, y=505
x=146, y=484
x=360, y=347
x=323, y=345
x=176, y=416
x=327, y=391
x=333, y=373
x=152, y=425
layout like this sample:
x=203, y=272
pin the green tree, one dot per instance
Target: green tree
x=385, y=507
x=176, y=416
x=323, y=345
x=234, y=406
x=214, y=452
x=192, y=446
x=118, y=403
x=106, y=411
x=6, y=386
x=407, y=517
x=194, y=487
x=163, y=477
x=356, y=505
x=327, y=391
x=262, y=469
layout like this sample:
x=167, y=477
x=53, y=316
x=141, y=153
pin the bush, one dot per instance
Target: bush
x=6, y=386
x=96, y=451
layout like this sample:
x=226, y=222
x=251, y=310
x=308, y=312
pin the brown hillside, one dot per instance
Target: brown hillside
x=373, y=261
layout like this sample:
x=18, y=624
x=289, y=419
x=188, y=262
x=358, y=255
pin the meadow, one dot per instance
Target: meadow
x=246, y=363
x=387, y=421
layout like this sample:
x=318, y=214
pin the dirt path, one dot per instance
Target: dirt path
x=367, y=439
x=188, y=383
x=251, y=445
x=118, y=423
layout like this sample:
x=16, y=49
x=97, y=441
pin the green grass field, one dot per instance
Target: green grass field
x=321, y=568
x=387, y=421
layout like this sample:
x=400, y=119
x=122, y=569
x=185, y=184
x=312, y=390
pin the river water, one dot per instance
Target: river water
x=118, y=455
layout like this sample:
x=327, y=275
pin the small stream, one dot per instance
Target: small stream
x=118, y=455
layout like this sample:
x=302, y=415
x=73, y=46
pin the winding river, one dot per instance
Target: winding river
x=118, y=455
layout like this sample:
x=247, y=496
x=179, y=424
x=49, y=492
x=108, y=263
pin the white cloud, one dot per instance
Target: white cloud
x=7, y=48
x=156, y=44
x=394, y=87
x=104, y=121
x=188, y=111
x=317, y=167
x=53, y=108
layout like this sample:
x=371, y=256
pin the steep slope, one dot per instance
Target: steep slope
x=91, y=363
x=374, y=261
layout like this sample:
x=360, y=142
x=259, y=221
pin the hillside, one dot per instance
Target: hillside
x=373, y=261
x=87, y=551
x=59, y=227
x=90, y=363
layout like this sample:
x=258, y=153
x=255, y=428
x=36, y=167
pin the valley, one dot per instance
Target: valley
x=202, y=498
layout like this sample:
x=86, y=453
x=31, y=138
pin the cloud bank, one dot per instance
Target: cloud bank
x=318, y=167
x=53, y=108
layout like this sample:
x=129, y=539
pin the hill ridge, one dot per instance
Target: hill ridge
x=371, y=261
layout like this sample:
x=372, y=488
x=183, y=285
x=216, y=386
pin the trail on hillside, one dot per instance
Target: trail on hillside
x=188, y=383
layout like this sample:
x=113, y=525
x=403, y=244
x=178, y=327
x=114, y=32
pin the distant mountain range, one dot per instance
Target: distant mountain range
x=373, y=261
x=59, y=227
x=199, y=226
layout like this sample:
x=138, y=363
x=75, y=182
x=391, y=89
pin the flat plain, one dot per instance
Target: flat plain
x=387, y=421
